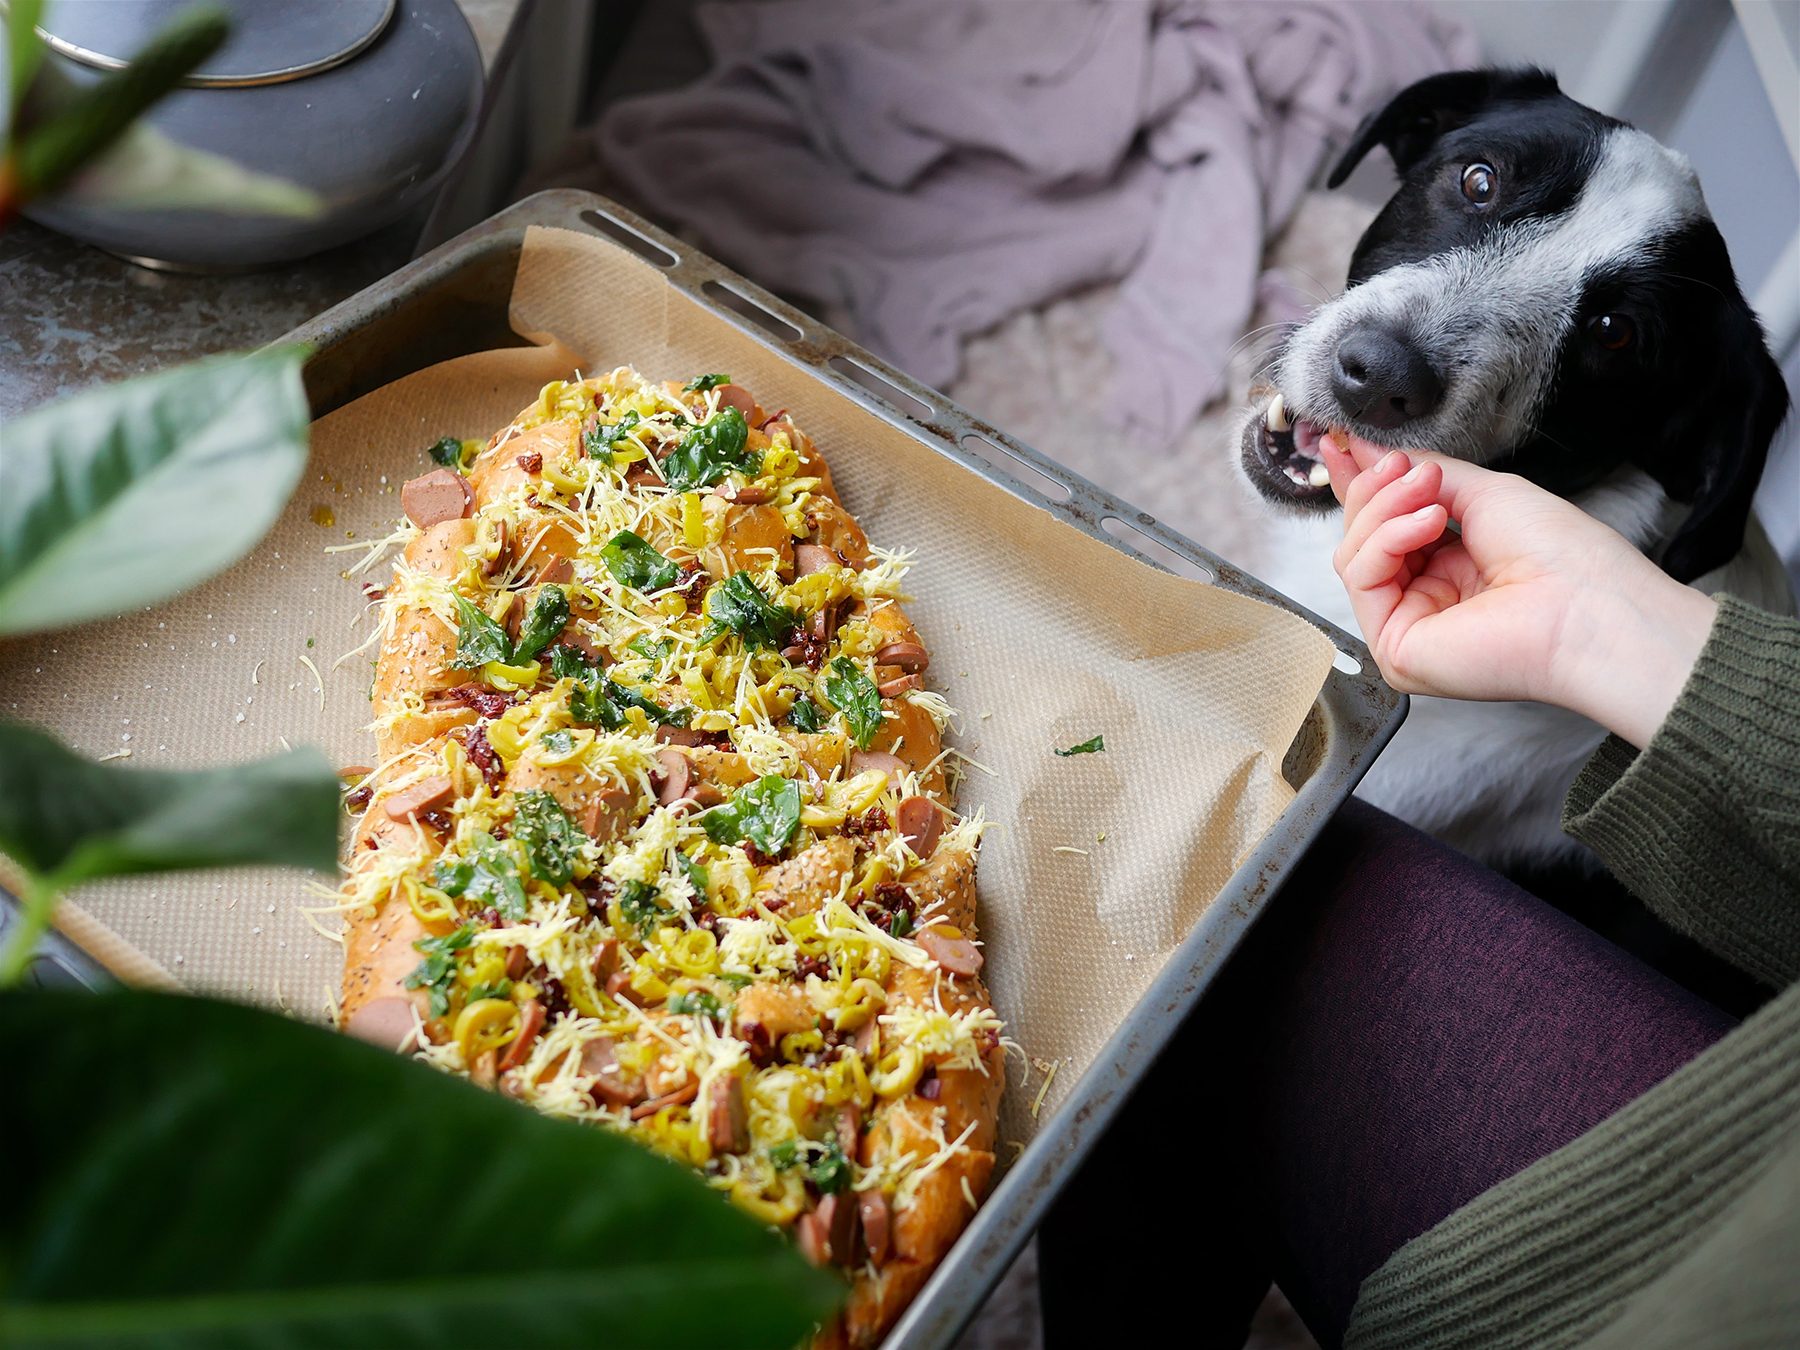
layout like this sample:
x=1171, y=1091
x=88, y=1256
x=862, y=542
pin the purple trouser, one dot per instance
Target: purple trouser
x=1402, y=1030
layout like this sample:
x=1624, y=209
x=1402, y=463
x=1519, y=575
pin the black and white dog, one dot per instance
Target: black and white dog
x=1546, y=294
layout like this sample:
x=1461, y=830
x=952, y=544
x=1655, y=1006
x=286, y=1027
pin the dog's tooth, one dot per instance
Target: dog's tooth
x=1294, y=475
x=1319, y=475
x=1277, y=415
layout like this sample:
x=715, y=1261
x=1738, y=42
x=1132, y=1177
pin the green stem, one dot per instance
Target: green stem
x=38, y=904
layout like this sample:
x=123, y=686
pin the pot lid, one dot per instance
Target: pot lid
x=271, y=40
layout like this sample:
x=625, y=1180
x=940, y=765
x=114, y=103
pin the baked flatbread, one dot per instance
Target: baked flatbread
x=660, y=836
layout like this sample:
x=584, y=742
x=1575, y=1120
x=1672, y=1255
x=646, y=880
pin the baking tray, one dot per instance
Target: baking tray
x=454, y=301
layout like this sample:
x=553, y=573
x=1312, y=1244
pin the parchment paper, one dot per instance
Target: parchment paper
x=1099, y=864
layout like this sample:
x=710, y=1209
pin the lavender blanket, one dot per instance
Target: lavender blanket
x=925, y=168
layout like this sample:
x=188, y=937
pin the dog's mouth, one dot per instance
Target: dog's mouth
x=1281, y=456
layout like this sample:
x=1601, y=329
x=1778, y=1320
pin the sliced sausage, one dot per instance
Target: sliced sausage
x=674, y=777
x=899, y=685
x=813, y=1238
x=909, y=656
x=868, y=1037
x=557, y=571
x=618, y=985
x=436, y=497
x=726, y=1126
x=682, y=736
x=608, y=815
x=386, y=1022
x=861, y=761
x=951, y=950
x=849, y=1128
x=606, y=961
x=495, y=565
x=920, y=823
x=875, y=1223
x=810, y=558
x=736, y=396
x=678, y=1098
x=425, y=795
x=531, y=1021
x=518, y=961
x=613, y=1086
x=838, y=1214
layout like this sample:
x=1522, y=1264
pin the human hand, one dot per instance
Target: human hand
x=1534, y=599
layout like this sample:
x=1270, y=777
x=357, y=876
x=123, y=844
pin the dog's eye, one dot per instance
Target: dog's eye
x=1613, y=331
x=1478, y=183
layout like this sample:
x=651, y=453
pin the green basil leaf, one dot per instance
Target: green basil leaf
x=548, y=616
x=588, y=703
x=196, y=1173
x=551, y=839
x=1092, y=747
x=766, y=812
x=634, y=563
x=853, y=694
x=135, y=492
x=649, y=650
x=830, y=1171
x=710, y=451
x=696, y=875
x=599, y=440
x=806, y=715
x=438, y=970
x=622, y=698
x=568, y=664
x=637, y=902
x=496, y=879
x=452, y=453
x=738, y=605
x=785, y=1154
x=478, y=639
x=696, y=1003
x=705, y=382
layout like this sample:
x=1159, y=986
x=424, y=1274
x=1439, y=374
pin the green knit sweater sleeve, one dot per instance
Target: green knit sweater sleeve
x=1704, y=824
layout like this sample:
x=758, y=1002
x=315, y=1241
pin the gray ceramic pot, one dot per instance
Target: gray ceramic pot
x=367, y=102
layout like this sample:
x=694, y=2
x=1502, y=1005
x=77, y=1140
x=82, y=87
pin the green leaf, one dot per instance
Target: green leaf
x=438, y=969
x=651, y=650
x=25, y=50
x=738, y=605
x=548, y=616
x=66, y=819
x=489, y=877
x=853, y=694
x=478, y=639
x=830, y=1171
x=710, y=451
x=637, y=902
x=806, y=715
x=145, y=170
x=599, y=440
x=1092, y=747
x=448, y=451
x=621, y=698
x=87, y=122
x=204, y=1174
x=767, y=813
x=696, y=875
x=705, y=382
x=634, y=563
x=696, y=1003
x=568, y=664
x=550, y=837
x=135, y=492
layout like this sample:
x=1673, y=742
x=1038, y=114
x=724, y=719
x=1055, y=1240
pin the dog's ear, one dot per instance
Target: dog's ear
x=1415, y=117
x=1750, y=403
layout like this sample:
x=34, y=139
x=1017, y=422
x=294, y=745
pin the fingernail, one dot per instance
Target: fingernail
x=1387, y=460
x=1413, y=476
x=1424, y=512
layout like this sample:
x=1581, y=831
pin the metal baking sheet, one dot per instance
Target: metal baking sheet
x=453, y=301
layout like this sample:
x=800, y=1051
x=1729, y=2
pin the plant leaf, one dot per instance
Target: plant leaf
x=710, y=451
x=25, y=51
x=635, y=563
x=203, y=1174
x=69, y=819
x=1092, y=746
x=86, y=121
x=852, y=693
x=767, y=813
x=737, y=605
x=548, y=616
x=551, y=839
x=146, y=171
x=129, y=494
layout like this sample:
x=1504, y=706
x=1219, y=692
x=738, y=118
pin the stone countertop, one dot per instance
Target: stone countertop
x=72, y=316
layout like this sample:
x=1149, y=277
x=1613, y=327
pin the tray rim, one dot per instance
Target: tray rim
x=1357, y=712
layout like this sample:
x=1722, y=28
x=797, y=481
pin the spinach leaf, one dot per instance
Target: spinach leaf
x=550, y=837
x=126, y=495
x=503, y=989
x=637, y=902
x=622, y=698
x=1085, y=748
x=568, y=664
x=830, y=1171
x=65, y=819
x=548, y=616
x=852, y=693
x=806, y=715
x=705, y=382
x=737, y=605
x=599, y=440
x=634, y=563
x=785, y=1154
x=453, y=454
x=696, y=1003
x=438, y=970
x=328, y=1194
x=478, y=639
x=696, y=875
x=710, y=451
x=487, y=878
x=588, y=703
x=651, y=651
x=767, y=812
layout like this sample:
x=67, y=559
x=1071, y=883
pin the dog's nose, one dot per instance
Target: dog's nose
x=1382, y=380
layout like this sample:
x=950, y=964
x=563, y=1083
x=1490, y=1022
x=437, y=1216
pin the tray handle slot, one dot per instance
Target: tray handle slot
x=997, y=456
x=1347, y=663
x=883, y=388
x=627, y=238
x=1154, y=549
x=770, y=322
